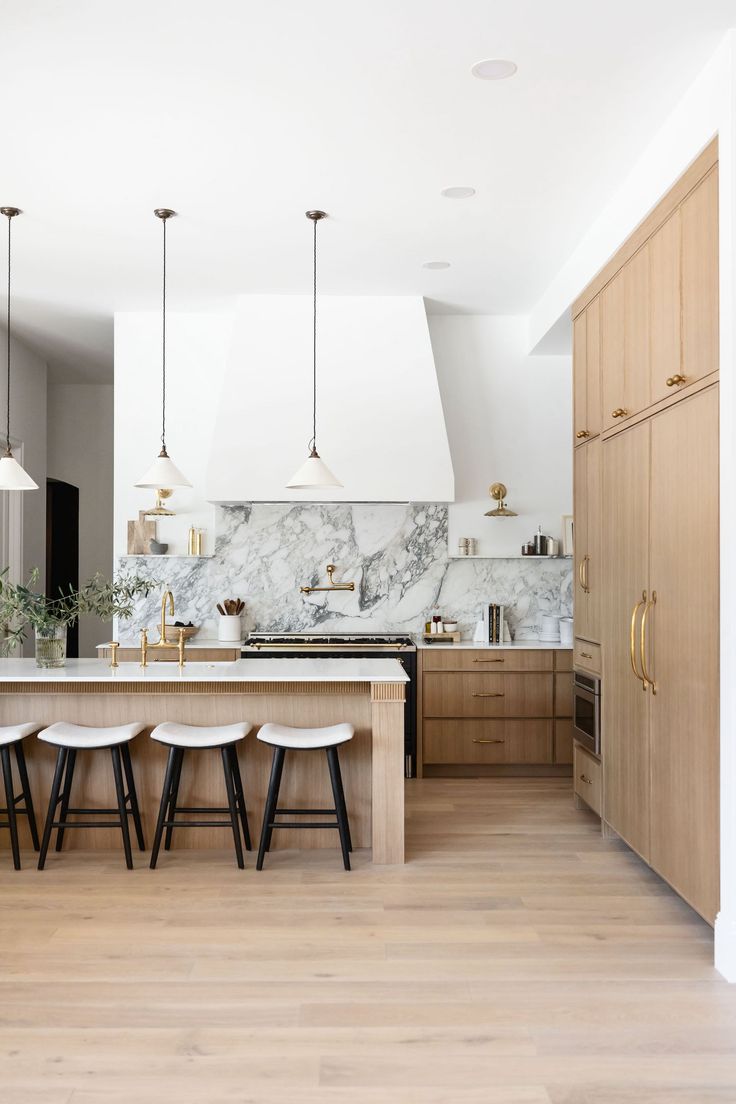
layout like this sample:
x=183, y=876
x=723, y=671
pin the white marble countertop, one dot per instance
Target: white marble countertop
x=514, y=645
x=193, y=642
x=242, y=670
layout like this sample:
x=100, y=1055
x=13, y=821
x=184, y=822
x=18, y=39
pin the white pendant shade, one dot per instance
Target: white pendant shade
x=163, y=472
x=13, y=477
x=313, y=473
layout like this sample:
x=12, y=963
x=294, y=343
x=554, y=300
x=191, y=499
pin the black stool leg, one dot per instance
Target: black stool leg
x=340, y=809
x=239, y=794
x=272, y=801
x=10, y=802
x=130, y=782
x=165, y=797
x=20, y=758
x=53, y=802
x=227, y=768
x=174, y=795
x=117, y=770
x=71, y=760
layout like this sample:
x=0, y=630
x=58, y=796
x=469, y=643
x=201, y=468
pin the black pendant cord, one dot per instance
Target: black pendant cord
x=313, y=443
x=163, y=354
x=7, y=422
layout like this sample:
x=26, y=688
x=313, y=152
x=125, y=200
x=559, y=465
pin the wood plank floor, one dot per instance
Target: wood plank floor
x=517, y=958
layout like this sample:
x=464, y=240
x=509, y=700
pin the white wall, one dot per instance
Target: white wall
x=80, y=452
x=509, y=419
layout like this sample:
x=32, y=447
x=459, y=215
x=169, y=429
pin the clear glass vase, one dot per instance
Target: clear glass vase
x=51, y=646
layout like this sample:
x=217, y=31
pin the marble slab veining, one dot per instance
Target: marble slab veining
x=396, y=554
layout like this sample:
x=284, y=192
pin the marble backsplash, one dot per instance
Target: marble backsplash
x=395, y=553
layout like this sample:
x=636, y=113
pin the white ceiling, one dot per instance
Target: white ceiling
x=242, y=114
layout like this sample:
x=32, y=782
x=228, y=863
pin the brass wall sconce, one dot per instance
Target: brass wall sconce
x=332, y=586
x=498, y=492
x=159, y=510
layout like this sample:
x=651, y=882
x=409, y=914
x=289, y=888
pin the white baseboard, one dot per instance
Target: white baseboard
x=725, y=946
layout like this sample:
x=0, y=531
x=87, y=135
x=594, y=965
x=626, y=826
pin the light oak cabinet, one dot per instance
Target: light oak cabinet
x=660, y=644
x=587, y=388
x=587, y=564
x=625, y=341
x=496, y=710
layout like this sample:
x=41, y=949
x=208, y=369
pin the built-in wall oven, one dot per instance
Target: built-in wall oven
x=586, y=711
x=309, y=645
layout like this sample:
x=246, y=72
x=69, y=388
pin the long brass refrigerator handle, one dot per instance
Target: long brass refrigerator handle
x=581, y=565
x=586, y=562
x=632, y=638
x=643, y=642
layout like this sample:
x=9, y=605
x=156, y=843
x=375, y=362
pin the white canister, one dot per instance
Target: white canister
x=566, y=631
x=228, y=627
x=550, y=627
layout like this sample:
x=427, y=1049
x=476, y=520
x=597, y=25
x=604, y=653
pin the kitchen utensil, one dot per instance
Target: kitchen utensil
x=220, y=609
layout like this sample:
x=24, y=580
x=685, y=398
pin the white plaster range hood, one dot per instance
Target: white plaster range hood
x=380, y=423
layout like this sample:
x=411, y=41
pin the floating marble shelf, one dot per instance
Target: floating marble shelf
x=455, y=556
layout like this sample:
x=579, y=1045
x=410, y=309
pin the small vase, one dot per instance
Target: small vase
x=51, y=647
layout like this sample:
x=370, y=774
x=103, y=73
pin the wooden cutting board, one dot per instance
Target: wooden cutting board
x=140, y=533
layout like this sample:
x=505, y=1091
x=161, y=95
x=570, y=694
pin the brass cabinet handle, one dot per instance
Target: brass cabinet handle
x=632, y=638
x=586, y=563
x=675, y=381
x=581, y=567
x=643, y=642
x=489, y=661
x=619, y=412
x=587, y=781
x=582, y=434
x=492, y=694
x=586, y=655
x=488, y=741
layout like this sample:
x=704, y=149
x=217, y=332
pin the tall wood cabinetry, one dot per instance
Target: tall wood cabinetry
x=655, y=478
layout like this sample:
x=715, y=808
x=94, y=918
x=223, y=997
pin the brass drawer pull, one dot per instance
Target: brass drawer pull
x=675, y=381
x=587, y=781
x=489, y=661
x=586, y=655
x=619, y=412
x=582, y=434
x=491, y=694
x=488, y=741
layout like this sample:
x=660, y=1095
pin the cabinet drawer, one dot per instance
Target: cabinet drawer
x=587, y=778
x=563, y=695
x=485, y=659
x=587, y=656
x=563, y=660
x=563, y=742
x=487, y=741
x=479, y=694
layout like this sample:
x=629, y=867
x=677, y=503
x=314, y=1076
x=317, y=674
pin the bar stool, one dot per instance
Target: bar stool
x=13, y=736
x=283, y=739
x=69, y=739
x=180, y=738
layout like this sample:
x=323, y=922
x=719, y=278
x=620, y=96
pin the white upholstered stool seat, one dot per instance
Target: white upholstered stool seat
x=199, y=736
x=76, y=736
x=284, y=736
x=10, y=734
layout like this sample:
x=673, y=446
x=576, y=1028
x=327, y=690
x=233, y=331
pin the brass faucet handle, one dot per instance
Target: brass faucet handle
x=181, y=648
x=144, y=647
x=113, y=645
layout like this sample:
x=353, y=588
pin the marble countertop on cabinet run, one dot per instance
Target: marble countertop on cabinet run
x=514, y=645
x=242, y=670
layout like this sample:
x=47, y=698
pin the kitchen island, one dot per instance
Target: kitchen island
x=369, y=693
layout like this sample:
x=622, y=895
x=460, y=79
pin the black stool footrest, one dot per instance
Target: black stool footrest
x=302, y=824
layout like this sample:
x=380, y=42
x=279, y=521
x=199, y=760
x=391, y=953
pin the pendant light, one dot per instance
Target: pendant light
x=163, y=472
x=12, y=475
x=313, y=472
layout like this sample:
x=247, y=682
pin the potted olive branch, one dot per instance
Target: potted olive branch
x=23, y=607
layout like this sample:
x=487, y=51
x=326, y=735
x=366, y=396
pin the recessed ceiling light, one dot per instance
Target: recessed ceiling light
x=493, y=69
x=458, y=191
x=436, y=264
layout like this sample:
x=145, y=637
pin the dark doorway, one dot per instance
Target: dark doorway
x=62, y=547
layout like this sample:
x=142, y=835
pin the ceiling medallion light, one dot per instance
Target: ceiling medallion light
x=493, y=69
x=498, y=491
x=314, y=473
x=12, y=475
x=458, y=191
x=163, y=473
x=435, y=266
